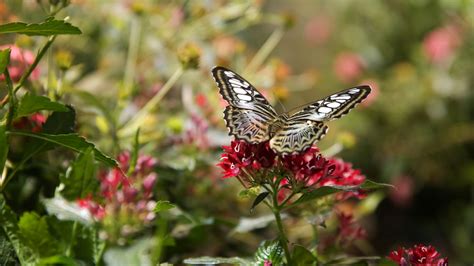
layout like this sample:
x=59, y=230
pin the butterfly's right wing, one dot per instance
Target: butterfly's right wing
x=248, y=115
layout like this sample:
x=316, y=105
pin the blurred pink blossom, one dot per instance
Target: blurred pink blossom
x=348, y=66
x=318, y=29
x=403, y=192
x=20, y=60
x=441, y=43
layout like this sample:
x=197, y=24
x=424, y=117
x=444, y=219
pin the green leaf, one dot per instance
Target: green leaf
x=49, y=27
x=4, y=59
x=320, y=192
x=61, y=122
x=301, y=256
x=57, y=260
x=371, y=185
x=35, y=234
x=8, y=222
x=217, y=260
x=80, y=180
x=262, y=196
x=7, y=252
x=269, y=251
x=71, y=141
x=163, y=205
x=30, y=104
x=3, y=149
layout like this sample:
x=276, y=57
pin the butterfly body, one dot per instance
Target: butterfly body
x=251, y=118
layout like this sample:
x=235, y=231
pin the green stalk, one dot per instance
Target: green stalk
x=137, y=121
x=281, y=232
x=11, y=100
x=265, y=50
x=133, y=45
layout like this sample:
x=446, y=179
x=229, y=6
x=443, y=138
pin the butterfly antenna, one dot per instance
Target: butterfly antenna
x=281, y=104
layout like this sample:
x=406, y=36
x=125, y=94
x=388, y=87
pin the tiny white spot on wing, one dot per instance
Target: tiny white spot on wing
x=229, y=74
x=341, y=101
x=324, y=110
x=341, y=97
x=244, y=97
x=333, y=104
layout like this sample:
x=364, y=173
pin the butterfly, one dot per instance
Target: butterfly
x=251, y=118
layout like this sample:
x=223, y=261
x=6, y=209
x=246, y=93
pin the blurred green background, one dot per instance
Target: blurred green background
x=415, y=131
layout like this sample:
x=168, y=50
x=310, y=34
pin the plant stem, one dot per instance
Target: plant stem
x=40, y=55
x=137, y=121
x=281, y=233
x=73, y=236
x=11, y=100
x=133, y=45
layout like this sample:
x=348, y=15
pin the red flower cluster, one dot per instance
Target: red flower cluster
x=20, y=60
x=242, y=155
x=308, y=168
x=349, y=229
x=33, y=122
x=418, y=255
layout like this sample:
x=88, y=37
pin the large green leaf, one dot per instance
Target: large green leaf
x=30, y=104
x=4, y=59
x=71, y=141
x=49, y=27
x=320, y=192
x=35, y=234
x=61, y=122
x=3, y=148
x=371, y=185
x=80, y=180
x=301, y=256
x=269, y=251
x=8, y=222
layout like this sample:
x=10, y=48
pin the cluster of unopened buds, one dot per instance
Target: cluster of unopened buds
x=255, y=163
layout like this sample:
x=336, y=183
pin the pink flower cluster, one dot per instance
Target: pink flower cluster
x=418, y=255
x=121, y=195
x=20, y=60
x=441, y=43
x=309, y=168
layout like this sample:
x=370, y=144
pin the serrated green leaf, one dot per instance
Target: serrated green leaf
x=3, y=149
x=4, y=59
x=163, y=205
x=71, y=141
x=49, y=27
x=8, y=222
x=35, y=234
x=80, y=180
x=262, y=196
x=217, y=260
x=270, y=251
x=30, y=104
x=301, y=256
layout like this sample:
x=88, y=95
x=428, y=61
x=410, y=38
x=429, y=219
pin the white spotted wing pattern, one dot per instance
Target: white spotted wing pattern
x=250, y=117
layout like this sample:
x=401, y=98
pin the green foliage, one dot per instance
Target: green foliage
x=80, y=179
x=3, y=147
x=261, y=197
x=50, y=27
x=301, y=256
x=4, y=59
x=163, y=205
x=71, y=141
x=30, y=104
x=35, y=235
x=270, y=251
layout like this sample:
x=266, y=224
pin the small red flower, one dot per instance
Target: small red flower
x=418, y=255
x=307, y=167
x=441, y=43
x=348, y=66
x=349, y=229
x=34, y=122
x=341, y=173
x=94, y=208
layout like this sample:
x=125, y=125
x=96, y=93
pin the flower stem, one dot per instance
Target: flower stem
x=137, y=121
x=265, y=50
x=281, y=233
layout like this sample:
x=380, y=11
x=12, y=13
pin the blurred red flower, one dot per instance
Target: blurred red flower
x=318, y=29
x=419, y=255
x=20, y=60
x=348, y=66
x=34, y=122
x=349, y=229
x=403, y=192
x=440, y=44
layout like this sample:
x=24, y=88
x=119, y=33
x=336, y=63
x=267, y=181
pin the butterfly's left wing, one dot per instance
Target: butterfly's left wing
x=333, y=106
x=295, y=136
